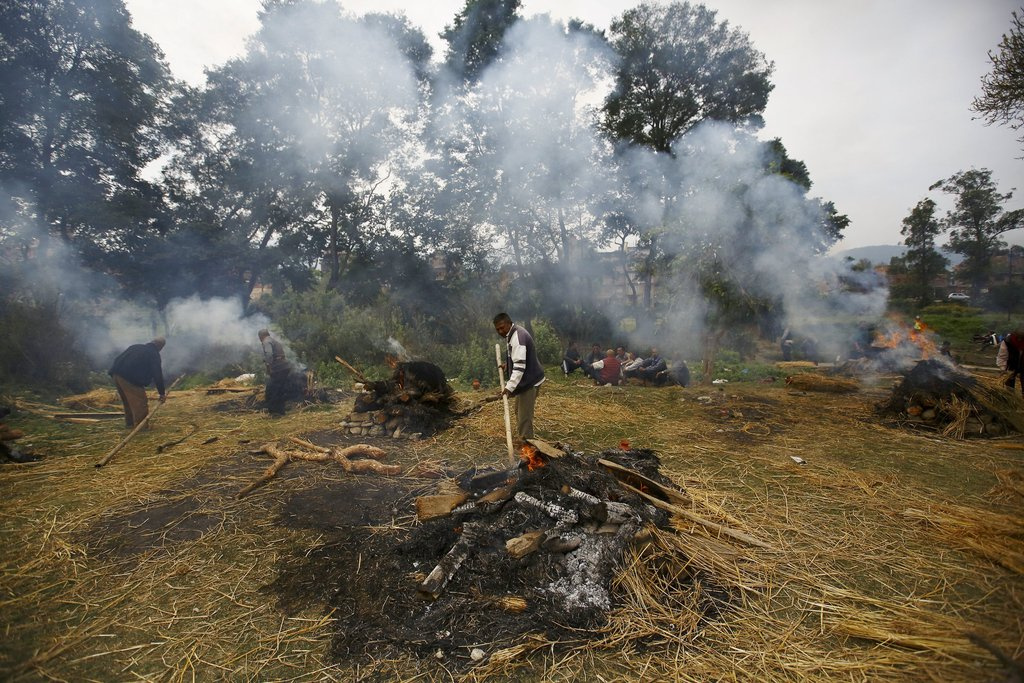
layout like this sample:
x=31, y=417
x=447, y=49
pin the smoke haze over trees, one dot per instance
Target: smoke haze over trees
x=380, y=190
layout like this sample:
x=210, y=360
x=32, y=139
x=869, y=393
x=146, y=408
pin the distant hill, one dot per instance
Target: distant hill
x=879, y=254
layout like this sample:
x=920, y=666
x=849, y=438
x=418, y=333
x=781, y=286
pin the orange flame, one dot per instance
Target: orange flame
x=624, y=445
x=904, y=335
x=532, y=457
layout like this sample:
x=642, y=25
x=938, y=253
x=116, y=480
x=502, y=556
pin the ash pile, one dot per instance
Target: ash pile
x=935, y=395
x=415, y=402
x=500, y=557
x=551, y=531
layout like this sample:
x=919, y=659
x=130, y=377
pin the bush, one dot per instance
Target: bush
x=36, y=349
x=547, y=343
x=477, y=361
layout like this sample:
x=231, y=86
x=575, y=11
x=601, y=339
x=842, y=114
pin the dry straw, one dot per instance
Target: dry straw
x=888, y=549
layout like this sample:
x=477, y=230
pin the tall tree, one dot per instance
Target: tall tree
x=923, y=263
x=1002, y=89
x=475, y=35
x=679, y=66
x=307, y=128
x=83, y=100
x=976, y=222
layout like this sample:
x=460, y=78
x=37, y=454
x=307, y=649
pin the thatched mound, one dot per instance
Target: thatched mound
x=937, y=395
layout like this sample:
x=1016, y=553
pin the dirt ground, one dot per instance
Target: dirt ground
x=894, y=554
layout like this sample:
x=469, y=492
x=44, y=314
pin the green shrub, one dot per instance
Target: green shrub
x=35, y=348
x=547, y=343
x=478, y=362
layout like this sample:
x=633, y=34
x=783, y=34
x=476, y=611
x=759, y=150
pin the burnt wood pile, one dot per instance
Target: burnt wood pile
x=936, y=395
x=415, y=402
x=547, y=536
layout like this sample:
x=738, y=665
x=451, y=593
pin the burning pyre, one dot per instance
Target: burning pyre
x=415, y=402
x=936, y=395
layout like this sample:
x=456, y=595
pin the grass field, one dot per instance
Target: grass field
x=894, y=555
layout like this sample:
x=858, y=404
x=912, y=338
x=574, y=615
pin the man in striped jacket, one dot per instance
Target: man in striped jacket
x=525, y=373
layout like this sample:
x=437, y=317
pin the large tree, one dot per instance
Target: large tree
x=1002, y=89
x=922, y=262
x=680, y=66
x=83, y=98
x=476, y=34
x=976, y=222
x=302, y=134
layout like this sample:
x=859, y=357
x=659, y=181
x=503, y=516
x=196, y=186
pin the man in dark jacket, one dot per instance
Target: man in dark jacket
x=525, y=373
x=278, y=373
x=571, y=361
x=132, y=372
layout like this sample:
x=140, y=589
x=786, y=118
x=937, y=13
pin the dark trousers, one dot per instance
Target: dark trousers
x=277, y=392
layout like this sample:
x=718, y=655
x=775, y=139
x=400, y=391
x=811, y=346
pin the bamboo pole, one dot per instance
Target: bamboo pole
x=107, y=458
x=359, y=375
x=504, y=401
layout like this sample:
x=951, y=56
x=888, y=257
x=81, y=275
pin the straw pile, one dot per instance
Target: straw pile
x=810, y=381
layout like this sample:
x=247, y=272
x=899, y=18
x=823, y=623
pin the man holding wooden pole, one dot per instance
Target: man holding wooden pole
x=137, y=367
x=525, y=373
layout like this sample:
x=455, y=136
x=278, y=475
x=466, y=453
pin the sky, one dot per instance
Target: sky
x=873, y=95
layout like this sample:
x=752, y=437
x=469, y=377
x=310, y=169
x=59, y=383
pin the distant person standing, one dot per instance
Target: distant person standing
x=278, y=371
x=1008, y=358
x=137, y=367
x=525, y=373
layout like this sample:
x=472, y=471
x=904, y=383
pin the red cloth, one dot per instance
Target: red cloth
x=611, y=371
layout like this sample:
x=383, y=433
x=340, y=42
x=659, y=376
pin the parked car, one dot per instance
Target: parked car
x=958, y=296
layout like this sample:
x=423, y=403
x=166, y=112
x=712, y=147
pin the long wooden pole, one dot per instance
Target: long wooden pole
x=109, y=456
x=504, y=400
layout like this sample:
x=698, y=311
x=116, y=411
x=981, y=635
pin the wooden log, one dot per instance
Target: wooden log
x=498, y=495
x=719, y=529
x=615, y=513
x=281, y=458
x=435, y=582
x=639, y=481
x=432, y=507
x=523, y=545
x=564, y=516
x=368, y=467
x=546, y=449
x=363, y=449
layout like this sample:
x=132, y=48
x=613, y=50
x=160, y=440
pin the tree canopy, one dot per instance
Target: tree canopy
x=976, y=221
x=1002, y=89
x=680, y=66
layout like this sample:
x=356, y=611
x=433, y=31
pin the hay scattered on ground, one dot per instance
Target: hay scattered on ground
x=151, y=568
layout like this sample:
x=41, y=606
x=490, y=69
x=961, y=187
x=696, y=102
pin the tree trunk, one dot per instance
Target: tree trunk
x=332, y=251
x=712, y=339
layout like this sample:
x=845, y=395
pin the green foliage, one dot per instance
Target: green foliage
x=547, y=343
x=477, y=361
x=954, y=322
x=977, y=221
x=1002, y=98
x=680, y=66
x=319, y=325
x=475, y=36
x=729, y=366
x=35, y=348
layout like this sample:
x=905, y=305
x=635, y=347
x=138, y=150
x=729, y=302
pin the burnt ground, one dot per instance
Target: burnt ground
x=368, y=559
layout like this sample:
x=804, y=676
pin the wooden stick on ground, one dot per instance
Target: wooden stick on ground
x=107, y=458
x=320, y=454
